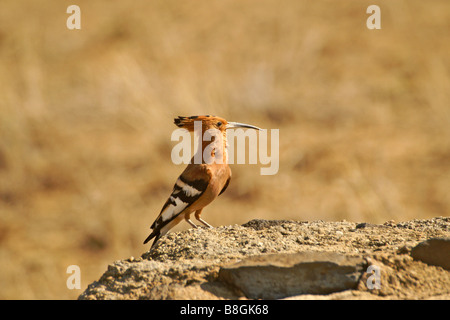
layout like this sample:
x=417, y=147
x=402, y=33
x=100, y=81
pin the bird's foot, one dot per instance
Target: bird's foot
x=191, y=223
x=206, y=224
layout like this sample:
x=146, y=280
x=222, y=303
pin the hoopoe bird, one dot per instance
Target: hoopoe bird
x=200, y=183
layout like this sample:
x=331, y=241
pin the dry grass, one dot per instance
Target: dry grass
x=86, y=118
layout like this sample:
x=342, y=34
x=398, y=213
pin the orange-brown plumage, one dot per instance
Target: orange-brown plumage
x=200, y=183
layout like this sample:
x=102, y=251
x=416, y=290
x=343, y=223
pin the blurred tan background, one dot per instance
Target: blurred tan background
x=86, y=117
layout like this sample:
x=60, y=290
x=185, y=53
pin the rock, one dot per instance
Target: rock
x=261, y=224
x=342, y=295
x=434, y=251
x=278, y=276
x=280, y=258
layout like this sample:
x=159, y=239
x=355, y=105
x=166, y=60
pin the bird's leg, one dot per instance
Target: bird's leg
x=197, y=216
x=188, y=220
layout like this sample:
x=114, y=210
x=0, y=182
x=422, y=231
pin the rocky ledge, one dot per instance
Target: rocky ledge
x=280, y=259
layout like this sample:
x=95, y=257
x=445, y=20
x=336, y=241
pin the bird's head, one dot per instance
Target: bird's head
x=210, y=122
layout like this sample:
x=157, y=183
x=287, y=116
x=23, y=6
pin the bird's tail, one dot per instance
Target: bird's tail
x=155, y=234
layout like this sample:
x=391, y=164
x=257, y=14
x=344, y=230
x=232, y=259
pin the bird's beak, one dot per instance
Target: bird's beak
x=240, y=125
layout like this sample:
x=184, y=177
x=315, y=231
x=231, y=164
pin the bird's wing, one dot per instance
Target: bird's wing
x=190, y=185
x=226, y=185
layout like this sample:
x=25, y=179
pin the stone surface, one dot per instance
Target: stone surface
x=277, y=276
x=434, y=251
x=191, y=264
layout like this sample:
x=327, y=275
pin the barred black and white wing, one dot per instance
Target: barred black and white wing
x=185, y=192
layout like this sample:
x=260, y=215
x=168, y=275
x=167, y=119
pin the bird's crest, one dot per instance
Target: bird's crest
x=208, y=122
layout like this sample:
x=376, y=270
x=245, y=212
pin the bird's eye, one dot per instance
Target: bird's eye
x=219, y=124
